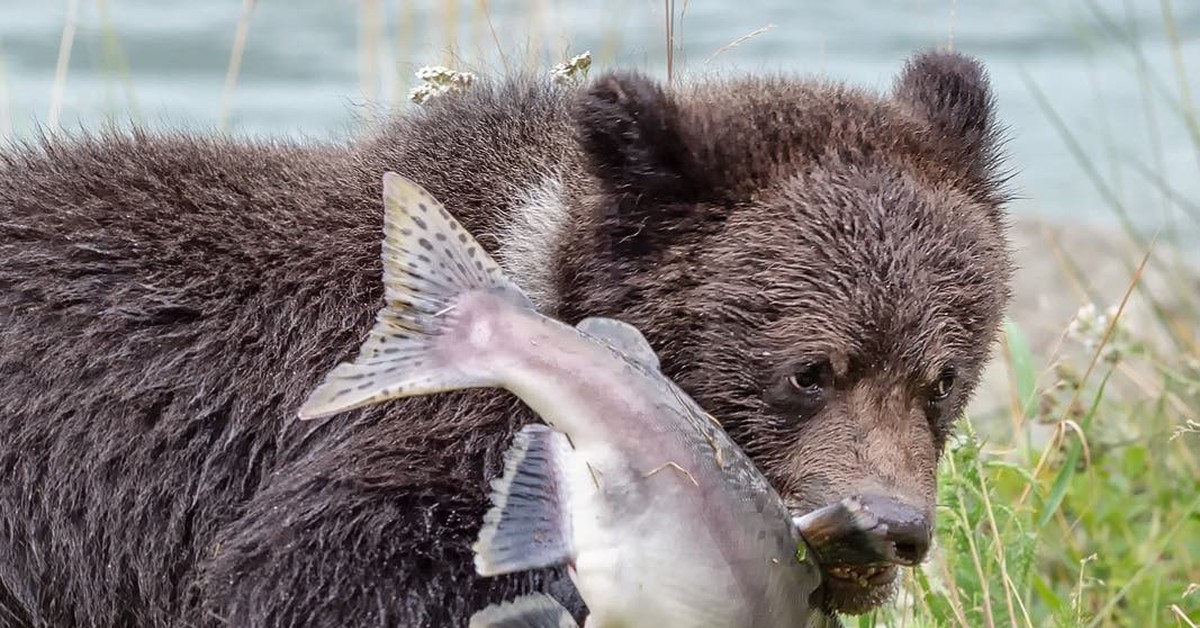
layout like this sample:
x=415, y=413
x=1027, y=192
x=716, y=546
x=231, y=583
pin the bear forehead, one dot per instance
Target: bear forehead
x=868, y=273
x=871, y=330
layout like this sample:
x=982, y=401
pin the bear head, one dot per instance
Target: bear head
x=825, y=270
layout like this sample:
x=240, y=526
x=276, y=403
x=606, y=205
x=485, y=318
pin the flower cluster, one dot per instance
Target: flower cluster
x=573, y=70
x=1089, y=327
x=438, y=80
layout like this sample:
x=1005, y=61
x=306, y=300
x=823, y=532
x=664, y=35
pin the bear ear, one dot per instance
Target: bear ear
x=951, y=91
x=631, y=130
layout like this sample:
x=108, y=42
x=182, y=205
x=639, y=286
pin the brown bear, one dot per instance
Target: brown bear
x=824, y=269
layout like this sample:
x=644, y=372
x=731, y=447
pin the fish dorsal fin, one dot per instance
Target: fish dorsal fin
x=535, y=610
x=623, y=337
x=529, y=525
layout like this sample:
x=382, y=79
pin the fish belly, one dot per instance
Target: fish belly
x=656, y=569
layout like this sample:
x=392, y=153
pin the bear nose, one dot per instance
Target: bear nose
x=908, y=528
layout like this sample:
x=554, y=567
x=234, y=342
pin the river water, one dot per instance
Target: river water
x=308, y=64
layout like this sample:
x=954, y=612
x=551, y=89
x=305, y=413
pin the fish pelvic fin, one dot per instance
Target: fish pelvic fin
x=535, y=610
x=529, y=523
x=623, y=337
x=430, y=262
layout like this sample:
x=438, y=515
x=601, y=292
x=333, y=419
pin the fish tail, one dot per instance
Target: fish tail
x=426, y=338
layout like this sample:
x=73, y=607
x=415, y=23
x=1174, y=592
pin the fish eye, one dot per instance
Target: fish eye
x=944, y=385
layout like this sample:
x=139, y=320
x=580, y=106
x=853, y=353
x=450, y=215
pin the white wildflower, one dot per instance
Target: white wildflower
x=1084, y=326
x=422, y=93
x=572, y=70
x=1089, y=327
x=438, y=80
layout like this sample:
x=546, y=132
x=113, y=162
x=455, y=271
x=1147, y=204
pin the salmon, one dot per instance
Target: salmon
x=659, y=516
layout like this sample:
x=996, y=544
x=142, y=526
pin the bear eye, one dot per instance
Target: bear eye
x=943, y=386
x=799, y=390
x=809, y=378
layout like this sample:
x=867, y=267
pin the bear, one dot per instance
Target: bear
x=823, y=268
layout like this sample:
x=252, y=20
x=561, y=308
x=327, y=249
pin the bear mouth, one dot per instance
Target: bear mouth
x=857, y=589
x=859, y=563
x=865, y=576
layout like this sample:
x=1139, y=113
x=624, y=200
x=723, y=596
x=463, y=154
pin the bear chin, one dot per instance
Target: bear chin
x=857, y=589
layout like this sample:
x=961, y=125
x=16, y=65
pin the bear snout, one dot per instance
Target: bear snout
x=906, y=528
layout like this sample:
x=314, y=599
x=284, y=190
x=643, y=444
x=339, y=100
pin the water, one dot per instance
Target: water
x=305, y=71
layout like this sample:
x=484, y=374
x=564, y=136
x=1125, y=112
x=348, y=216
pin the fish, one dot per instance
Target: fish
x=659, y=517
x=534, y=610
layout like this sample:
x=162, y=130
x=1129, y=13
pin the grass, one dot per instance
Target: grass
x=1099, y=525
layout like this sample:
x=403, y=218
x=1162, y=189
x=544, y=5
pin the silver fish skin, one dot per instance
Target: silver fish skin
x=661, y=518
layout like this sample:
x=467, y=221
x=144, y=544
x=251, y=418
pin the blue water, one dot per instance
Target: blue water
x=304, y=72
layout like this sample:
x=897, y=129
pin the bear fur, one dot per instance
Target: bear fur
x=824, y=269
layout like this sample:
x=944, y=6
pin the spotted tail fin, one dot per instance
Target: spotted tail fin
x=420, y=341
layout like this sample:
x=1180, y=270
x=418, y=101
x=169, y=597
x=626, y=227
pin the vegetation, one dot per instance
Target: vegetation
x=1097, y=525
x=1100, y=526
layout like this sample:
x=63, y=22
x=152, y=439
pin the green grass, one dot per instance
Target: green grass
x=1099, y=526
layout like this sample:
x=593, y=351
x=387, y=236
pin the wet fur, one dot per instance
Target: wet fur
x=168, y=301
